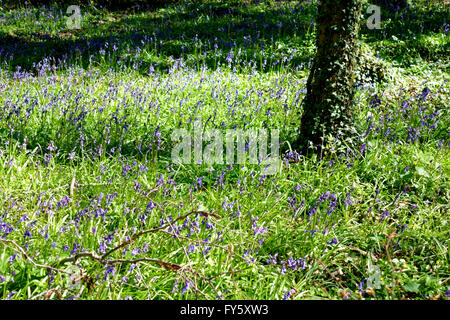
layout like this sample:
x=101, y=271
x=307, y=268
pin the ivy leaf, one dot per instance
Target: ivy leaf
x=422, y=172
x=412, y=286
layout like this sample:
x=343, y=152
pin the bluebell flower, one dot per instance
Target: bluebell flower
x=384, y=215
x=287, y=295
x=12, y=258
x=185, y=288
x=110, y=271
x=273, y=259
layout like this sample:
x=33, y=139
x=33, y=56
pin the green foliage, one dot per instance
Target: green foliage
x=370, y=68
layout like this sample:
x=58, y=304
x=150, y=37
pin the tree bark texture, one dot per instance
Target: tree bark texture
x=327, y=110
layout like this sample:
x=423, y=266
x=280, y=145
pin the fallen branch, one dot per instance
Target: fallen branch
x=141, y=233
x=20, y=250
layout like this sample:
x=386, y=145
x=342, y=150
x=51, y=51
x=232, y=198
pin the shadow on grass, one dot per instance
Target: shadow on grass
x=201, y=34
x=212, y=34
x=411, y=32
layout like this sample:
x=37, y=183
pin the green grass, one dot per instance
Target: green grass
x=85, y=151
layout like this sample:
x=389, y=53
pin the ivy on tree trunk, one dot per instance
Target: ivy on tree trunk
x=327, y=111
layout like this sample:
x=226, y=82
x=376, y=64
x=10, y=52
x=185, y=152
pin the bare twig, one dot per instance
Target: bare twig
x=331, y=275
x=363, y=252
x=171, y=226
x=387, y=245
x=103, y=259
x=209, y=244
x=20, y=250
x=141, y=233
x=47, y=294
x=78, y=256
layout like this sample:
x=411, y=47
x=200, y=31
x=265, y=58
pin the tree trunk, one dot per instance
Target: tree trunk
x=327, y=111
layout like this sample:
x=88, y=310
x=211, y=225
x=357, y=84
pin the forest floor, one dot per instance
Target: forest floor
x=94, y=207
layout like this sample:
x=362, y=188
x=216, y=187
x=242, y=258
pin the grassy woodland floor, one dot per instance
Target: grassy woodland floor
x=88, y=188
